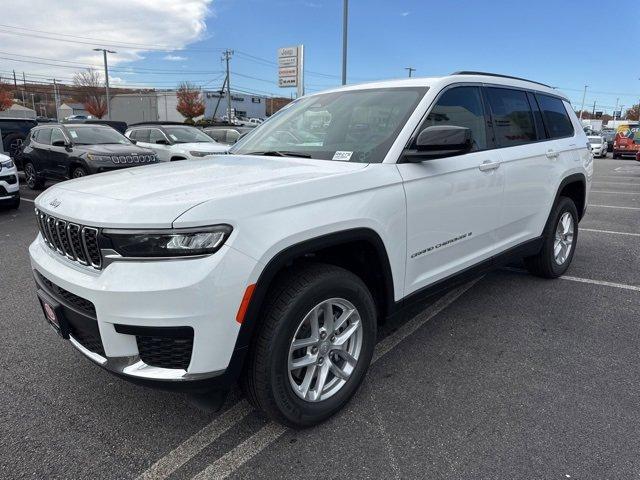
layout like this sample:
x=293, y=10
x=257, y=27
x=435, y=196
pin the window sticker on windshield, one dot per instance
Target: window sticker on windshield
x=173, y=137
x=341, y=155
x=73, y=133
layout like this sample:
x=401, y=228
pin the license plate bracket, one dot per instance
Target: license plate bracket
x=53, y=314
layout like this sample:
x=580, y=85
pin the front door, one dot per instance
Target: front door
x=58, y=155
x=454, y=203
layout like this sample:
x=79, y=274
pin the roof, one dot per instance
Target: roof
x=74, y=106
x=440, y=82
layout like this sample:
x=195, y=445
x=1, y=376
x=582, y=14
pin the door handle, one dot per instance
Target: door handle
x=488, y=165
x=552, y=154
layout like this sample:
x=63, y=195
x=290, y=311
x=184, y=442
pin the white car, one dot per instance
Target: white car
x=175, y=142
x=9, y=183
x=273, y=265
x=598, y=145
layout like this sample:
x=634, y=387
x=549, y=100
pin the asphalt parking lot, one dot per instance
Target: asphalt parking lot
x=510, y=376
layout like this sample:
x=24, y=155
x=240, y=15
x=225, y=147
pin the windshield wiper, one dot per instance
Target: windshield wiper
x=280, y=153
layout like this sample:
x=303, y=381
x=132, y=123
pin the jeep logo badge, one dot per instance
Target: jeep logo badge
x=55, y=203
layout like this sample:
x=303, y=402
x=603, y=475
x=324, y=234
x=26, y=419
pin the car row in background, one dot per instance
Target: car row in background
x=9, y=183
x=173, y=142
x=227, y=135
x=598, y=146
x=64, y=151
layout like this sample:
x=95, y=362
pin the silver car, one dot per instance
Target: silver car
x=598, y=146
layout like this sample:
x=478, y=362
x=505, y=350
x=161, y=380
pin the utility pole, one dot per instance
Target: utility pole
x=33, y=103
x=15, y=83
x=57, y=99
x=106, y=75
x=226, y=56
x=584, y=94
x=593, y=112
x=616, y=109
x=411, y=70
x=345, y=24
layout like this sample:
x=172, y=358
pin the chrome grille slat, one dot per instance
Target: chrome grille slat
x=78, y=243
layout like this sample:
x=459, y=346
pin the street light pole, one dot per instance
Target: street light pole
x=345, y=22
x=106, y=75
x=411, y=70
x=584, y=94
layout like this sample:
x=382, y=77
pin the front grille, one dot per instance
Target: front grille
x=64, y=296
x=165, y=352
x=77, y=242
x=132, y=159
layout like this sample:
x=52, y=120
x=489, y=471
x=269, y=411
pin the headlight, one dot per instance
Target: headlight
x=201, y=154
x=7, y=164
x=168, y=243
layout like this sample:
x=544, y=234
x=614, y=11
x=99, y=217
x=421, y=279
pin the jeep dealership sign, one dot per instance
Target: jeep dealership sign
x=291, y=68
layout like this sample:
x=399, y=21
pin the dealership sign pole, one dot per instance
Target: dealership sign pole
x=291, y=68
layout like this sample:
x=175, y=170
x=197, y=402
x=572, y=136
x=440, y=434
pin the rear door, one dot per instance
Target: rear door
x=58, y=155
x=162, y=149
x=40, y=144
x=454, y=203
x=527, y=159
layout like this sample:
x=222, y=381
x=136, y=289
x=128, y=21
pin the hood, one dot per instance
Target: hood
x=153, y=196
x=203, y=147
x=113, y=149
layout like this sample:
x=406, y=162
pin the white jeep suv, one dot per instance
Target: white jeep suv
x=173, y=142
x=274, y=264
x=9, y=183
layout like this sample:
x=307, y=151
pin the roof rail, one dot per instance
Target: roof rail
x=468, y=72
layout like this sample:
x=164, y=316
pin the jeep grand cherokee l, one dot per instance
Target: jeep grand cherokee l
x=58, y=152
x=274, y=264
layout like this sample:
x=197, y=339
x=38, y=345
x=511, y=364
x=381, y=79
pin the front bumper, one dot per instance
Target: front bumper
x=9, y=185
x=202, y=295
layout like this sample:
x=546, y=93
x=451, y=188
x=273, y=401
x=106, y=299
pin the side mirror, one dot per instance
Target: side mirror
x=60, y=143
x=440, y=141
x=162, y=141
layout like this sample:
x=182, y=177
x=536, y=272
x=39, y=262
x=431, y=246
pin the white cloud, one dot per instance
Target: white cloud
x=174, y=58
x=149, y=24
x=405, y=14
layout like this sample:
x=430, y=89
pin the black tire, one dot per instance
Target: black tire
x=544, y=263
x=79, y=172
x=616, y=156
x=33, y=180
x=265, y=381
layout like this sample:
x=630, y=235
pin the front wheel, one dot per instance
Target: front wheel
x=559, y=242
x=314, y=345
x=78, y=172
x=34, y=181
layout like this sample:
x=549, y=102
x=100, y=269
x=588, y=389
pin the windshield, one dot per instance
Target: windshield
x=595, y=140
x=94, y=135
x=187, y=135
x=353, y=126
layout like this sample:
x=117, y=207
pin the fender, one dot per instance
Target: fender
x=576, y=177
x=280, y=260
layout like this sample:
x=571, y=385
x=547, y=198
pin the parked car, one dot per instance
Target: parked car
x=9, y=183
x=175, y=142
x=63, y=151
x=74, y=118
x=598, y=146
x=274, y=264
x=227, y=135
x=609, y=136
x=115, y=124
x=14, y=131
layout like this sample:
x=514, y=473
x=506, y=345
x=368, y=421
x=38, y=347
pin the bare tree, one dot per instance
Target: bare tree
x=190, y=103
x=91, y=88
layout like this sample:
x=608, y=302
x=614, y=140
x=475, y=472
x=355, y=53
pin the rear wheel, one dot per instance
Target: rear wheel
x=314, y=345
x=34, y=181
x=559, y=244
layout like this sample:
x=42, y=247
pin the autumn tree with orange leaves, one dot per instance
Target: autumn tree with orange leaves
x=190, y=102
x=6, y=99
x=90, y=88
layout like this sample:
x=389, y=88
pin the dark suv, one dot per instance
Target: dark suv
x=14, y=131
x=59, y=152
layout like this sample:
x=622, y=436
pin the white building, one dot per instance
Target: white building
x=146, y=107
x=18, y=111
x=67, y=109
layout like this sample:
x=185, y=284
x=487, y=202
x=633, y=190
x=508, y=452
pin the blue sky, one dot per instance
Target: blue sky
x=564, y=43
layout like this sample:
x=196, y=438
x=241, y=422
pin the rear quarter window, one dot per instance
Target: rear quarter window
x=556, y=118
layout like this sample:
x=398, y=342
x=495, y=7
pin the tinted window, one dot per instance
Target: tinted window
x=461, y=107
x=56, y=135
x=232, y=136
x=555, y=116
x=537, y=116
x=141, y=135
x=512, y=117
x=155, y=135
x=133, y=135
x=43, y=136
x=219, y=135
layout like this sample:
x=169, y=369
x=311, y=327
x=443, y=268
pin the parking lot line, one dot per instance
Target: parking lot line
x=234, y=459
x=609, y=231
x=614, y=206
x=197, y=442
x=27, y=200
x=601, y=282
x=616, y=183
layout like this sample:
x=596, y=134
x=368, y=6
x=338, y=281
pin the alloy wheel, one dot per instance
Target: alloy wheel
x=325, y=349
x=30, y=174
x=563, y=242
